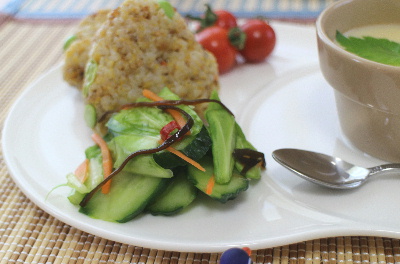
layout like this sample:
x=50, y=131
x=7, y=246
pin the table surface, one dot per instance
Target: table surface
x=31, y=35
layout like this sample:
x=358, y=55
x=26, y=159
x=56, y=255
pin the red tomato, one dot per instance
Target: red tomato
x=260, y=40
x=225, y=19
x=221, y=18
x=215, y=39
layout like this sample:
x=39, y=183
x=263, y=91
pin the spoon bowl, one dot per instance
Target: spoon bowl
x=326, y=170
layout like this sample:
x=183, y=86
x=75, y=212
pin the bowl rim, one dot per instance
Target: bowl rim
x=321, y=34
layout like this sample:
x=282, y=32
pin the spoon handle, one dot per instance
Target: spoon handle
x=384, y=168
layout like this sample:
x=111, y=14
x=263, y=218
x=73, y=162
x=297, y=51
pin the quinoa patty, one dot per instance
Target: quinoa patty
x=77, y=53
x=139, y=47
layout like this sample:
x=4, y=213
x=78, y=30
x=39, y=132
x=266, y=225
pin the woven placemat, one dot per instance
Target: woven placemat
x=30, y=235
x=61, y=9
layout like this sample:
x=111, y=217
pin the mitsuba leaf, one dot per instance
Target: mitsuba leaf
x=375, y=49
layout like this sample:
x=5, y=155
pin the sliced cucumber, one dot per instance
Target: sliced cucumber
x=195, y=150
x=179, y=193
x=223, y=136
x=220, y=192
x=128, y=196
x=222, y=129
x=75, y=197
x=242, y=143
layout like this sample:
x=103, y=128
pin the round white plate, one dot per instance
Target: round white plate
x=283, y=102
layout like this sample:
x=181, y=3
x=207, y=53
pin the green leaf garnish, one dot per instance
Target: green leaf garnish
x=169, y=10
x=378, y=50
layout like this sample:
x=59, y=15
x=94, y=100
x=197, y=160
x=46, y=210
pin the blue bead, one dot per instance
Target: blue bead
x=235, y=256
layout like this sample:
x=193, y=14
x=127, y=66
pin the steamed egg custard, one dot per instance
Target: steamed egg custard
x=385, y=31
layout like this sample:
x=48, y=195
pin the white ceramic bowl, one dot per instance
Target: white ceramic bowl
x=367, y=93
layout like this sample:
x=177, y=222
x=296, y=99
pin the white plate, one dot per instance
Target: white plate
x=284, y=102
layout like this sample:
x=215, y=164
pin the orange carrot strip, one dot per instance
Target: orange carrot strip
x=151, y=95
x=176, y=115
x=107, y=160
x=210, y=185
x=185, y=158
x=82, y=171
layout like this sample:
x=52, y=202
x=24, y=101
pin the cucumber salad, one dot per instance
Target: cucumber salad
x=159, y=155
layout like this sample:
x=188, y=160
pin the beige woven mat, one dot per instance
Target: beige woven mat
x=29, y=235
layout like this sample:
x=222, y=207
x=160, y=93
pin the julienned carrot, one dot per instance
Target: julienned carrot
x=82, y=171
x=210, y=185
x=176, y=115
x=107, y=160
x=181, y=122
x=185, y=158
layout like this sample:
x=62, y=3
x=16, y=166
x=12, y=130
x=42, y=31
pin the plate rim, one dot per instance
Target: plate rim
x=348, y=229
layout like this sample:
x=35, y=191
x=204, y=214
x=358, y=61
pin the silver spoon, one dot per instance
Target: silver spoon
x=326, y=170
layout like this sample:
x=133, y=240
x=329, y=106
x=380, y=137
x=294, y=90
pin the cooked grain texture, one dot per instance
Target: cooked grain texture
x=77, y=54
x=139, y=47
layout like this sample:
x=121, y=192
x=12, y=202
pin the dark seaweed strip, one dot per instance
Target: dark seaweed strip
x=166, y=103
x=249, y=158
x=168, y=142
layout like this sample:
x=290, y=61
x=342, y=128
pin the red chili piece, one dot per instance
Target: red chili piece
x=168, y=128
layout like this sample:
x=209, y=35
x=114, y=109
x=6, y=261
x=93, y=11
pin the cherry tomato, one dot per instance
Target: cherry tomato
x=225, y=19
x=221, y=18
x=215, y=39
x=260, y=40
